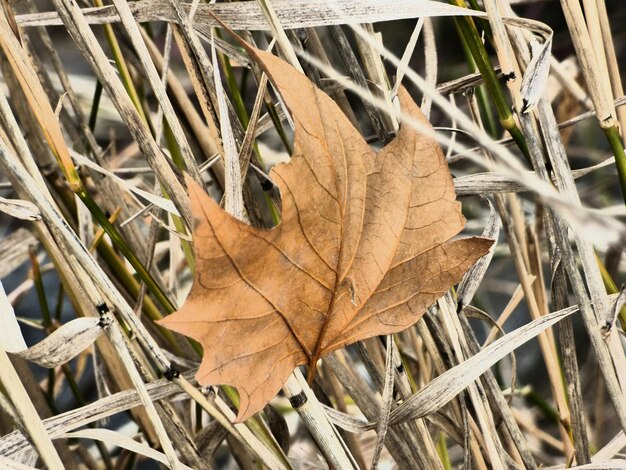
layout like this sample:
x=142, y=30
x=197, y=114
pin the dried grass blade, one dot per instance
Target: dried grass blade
x=431, y=65
x=120, y=440
x=132, y=29
x=247, y=145
x=64, y=343
x=29, y=417
x=611, y=449
x=474, y=276
x=312, y=413
x=493, y=182
x=14, y=250
x=37, y=101
x=611, y=59
x=595, y=76
x=612, y=313
x=23, y=210
x=120, y=343
x=15, y=442
x=250, y=16
x=9, y=464
x=11, y=338
x=346, y=421
x=158, y=201
x=406, y=55
x=387, y=402
x=613, y=464
x=93, y=53
x=375, y=71
x=486, y=183
x=233, y=194
x=609, y=352
x=279, y=33
x=446, y=386
x=536, y=75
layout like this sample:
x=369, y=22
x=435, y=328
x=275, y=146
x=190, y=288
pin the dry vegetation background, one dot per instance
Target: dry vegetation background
x=105, y=106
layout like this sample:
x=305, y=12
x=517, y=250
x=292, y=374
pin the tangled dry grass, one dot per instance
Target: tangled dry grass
x=106, y=106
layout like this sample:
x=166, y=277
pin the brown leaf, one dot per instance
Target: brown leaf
x=363, y=249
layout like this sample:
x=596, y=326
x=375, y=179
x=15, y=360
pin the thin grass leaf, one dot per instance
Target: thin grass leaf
x=14, y=250
x=609, y=464
x=445, y=387
x=30, y=419
x=9, y=464
x=614, y=310
x=233, y=195
x=387, y=401
x=311, y=412
x=19, y=209
x=407, y=54
x=474, y=277
x=15, y=442
x=536, y=75
x=65, y=343
x=120, y=440
x=11, y=338
x=158, y=201
x=250, y=16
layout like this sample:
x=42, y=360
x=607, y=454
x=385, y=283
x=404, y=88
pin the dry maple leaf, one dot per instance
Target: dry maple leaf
x=363, y=249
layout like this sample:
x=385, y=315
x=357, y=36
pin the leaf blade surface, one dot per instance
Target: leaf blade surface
x=363, y=248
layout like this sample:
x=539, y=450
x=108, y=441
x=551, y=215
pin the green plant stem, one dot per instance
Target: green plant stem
x=442, y=452
x=95, y=106
x=58, y=309
x=45, y=313
x=121, y=245
x=486, y=112
x=548, y=411
x=278, y=125
x=39, y=288
x=132, y=285
x=121, y=65
x=611, y=288
x=178, y=160
x=471, y=37
x=612, y=135
x=240, y=107
x=483, y=22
